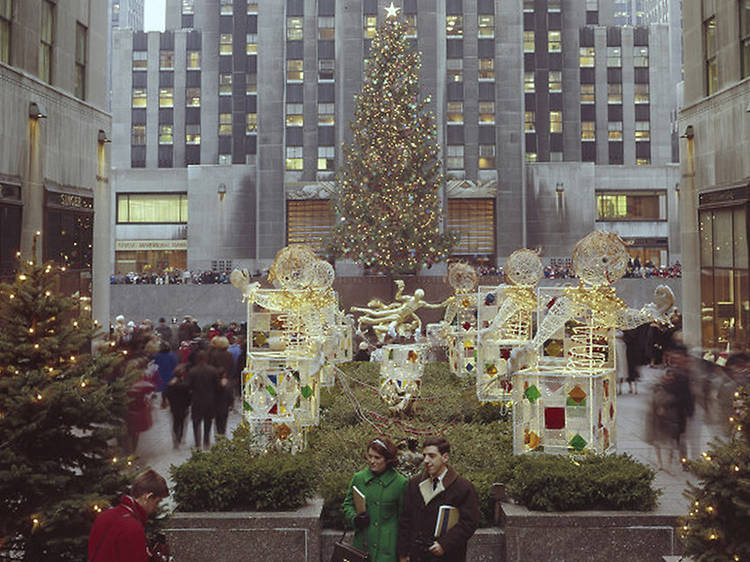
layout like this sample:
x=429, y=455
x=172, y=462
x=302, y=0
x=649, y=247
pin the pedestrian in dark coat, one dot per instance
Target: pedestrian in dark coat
x=204, y=384
x=165, y=362
x=439, y=485
x=178, y=397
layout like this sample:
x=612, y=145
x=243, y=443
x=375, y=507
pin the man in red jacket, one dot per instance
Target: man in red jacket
x=118, y=534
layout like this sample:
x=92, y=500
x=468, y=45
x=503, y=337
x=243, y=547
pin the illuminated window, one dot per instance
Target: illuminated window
x=486, y=156
x=614, y=93
x=326, y=69
x=411, y=25
x=294, y=29
x=555, y=80
x=474, y=222
x=592, y=5
x=529, y=82
x=225, y=124
x=194, y=59
x=139, y=97
x=486, y=25
x=744, y=38
x=370, y=25
x=642, y=131
x=225, y=7
x=166, y=60
x=192, y=134
x=193, y=97
x=486, y=69
x=614, y=57
x=614, y=130
x=555, y=122
x=294, y=158
x=225, y=159
x=325, y=114
x=531, y=157
x=166, y=208
x=294, y=71
x=225, y=84
x=649, y=205
x=138, y=135
x=710, y=62
x=528, y=5
x=588, y=130
x=79, y=78
x=529, y=121
x=640, y=56
x=640, y=93
x=166, y=134
x=326, y=28
x=294, y=117
x=188, y=7
x=308, y=222
x=225, y=44
x=586, y=57
x=454, y=26
x=166, y=97
x=326, y=158
x=252, y=123
x=642, y=161
x=554, y=41
x=46, y=41
x=454, y=157
x=140, y=60
x=455, y=112
x=251, y=83
x=251, y=44
x=455, y=70
x=486, y=111
x=553, y=5
x=529, y=45
x=588, y=94
x=252, y=8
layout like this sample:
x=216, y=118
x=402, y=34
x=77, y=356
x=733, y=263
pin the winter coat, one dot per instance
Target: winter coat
x=165, y=362
x=417, y=523
x=222, y=360
x=139, y=406
x=117, y=534
x=203, y=380
x=384, y=498
x=178, y=395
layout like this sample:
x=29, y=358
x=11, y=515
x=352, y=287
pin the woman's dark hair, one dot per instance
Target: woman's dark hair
x=386, y=449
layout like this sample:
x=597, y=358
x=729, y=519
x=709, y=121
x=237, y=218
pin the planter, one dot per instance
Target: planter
x=291, y=536
x=606, y=536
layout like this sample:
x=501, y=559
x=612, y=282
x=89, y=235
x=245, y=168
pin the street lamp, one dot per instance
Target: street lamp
x=37, y=110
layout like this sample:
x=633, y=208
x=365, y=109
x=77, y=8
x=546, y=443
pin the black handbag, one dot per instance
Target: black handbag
x=343, y=552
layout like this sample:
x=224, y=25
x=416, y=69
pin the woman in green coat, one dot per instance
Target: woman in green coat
x=383, y=487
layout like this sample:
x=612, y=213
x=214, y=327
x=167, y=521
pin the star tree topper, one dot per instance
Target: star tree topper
x=391, y=11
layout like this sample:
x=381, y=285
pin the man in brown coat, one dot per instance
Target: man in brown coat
x=439, y=485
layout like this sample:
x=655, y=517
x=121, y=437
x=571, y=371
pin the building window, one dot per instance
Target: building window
x=252, y=8
x=140, y=60
x=586, y=57
x=326, y=69
x=529, y=5
x=486, y=111
x=225, y=84
x=154, y=208
x=455, y=70
x=592, y=5
x=166, y=97
x=46, y=40
x=411, y=25
x=370, y=25
x=139, y=97
x=454, y=157
x=6, y=15
x=631, y=206
x=711, y=64
x=640, y=56
x=529, y=121
x=745, y=38
x=555, y=80
x=166, y=135
x=79, y=83
x=326, y=29
x=294, y=116
x=138, y=135
x=529, y=82
x=614, y=57
x=251, y=83
x=308, y=222
x=166, y=60
x=553, y=5
x=252, y=123
x=225, y=44
x=640, y=93
x=326, y=158
x=642, y=131
x=455, y=112
x=193, y=97
x=486, y=156
x=614, y=130
x=294, y=70
x=251, y=44
x=194, y=60
x=294, y=29
x=614, y=93
x=294, y=158
x=588, y=94
x=555, y=122
x=486, y=69
x=531, y=157
x=225, y=159
x=225, y=7
x=326, y=114
x=192, y=134
x=554, y=41
x=454, y=26
x=474, y=221
x=528, y=42
x=486, y=25
x=188, y=7
x=225, y=124
x=588, y=130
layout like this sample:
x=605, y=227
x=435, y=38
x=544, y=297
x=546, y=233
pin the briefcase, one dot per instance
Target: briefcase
x=343, y=552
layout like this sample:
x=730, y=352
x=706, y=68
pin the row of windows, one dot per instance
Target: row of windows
x=166, y=208
x=710, y=47
x=454, y=69
x=455, y=112
x=631, y=206
x=326, y=158
x=587, y=57
x=192, y=131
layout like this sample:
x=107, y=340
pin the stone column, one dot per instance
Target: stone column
x=101, y=259
x=33, y=195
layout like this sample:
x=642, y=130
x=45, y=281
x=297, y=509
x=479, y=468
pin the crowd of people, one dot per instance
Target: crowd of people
x=174, y=276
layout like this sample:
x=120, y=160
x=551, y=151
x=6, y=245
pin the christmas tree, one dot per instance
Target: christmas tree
x=718, y=525
x=387, y=198
x=58, y=415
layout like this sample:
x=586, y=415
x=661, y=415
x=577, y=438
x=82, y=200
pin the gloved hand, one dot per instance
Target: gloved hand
x=362, y=520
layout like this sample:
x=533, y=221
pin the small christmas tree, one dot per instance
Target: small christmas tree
x=387, y=197
x=58, y=416
x=718, y=525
